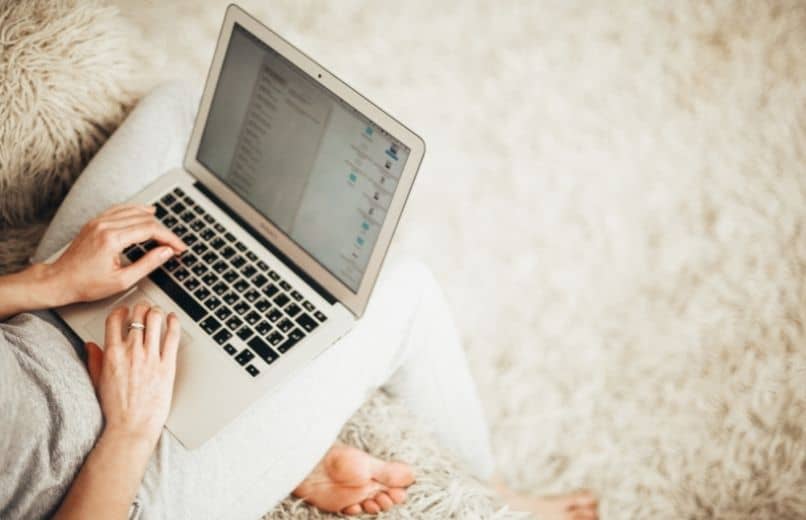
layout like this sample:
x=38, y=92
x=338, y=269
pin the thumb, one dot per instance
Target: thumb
x=95, y=358
x=150, y=261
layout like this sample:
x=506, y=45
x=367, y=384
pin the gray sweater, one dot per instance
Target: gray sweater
x=49, y=416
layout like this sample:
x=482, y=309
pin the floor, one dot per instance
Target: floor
x=614, y=199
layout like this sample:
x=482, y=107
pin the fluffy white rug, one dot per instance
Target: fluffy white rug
x=614, y=197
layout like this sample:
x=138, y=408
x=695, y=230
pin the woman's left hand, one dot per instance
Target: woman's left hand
x=91, y=268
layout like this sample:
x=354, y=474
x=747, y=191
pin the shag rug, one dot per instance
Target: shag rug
x=614, y=198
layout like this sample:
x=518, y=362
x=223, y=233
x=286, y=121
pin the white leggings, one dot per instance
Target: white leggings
x=406, y=342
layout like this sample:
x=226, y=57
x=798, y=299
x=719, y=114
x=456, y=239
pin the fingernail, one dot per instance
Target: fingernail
x=166, y=253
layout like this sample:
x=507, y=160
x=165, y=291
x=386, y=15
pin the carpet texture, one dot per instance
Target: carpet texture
x=614, y=196
x=67, y=79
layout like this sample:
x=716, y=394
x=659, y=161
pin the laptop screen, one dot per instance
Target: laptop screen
x=310, y=163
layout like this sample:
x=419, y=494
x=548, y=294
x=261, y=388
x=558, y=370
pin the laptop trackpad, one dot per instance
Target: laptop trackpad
x=96, y=328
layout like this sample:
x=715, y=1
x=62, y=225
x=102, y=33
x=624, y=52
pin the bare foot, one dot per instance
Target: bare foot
x=580, y=505
x=351, y=481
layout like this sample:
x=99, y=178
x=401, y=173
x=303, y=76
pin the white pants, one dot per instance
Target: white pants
x=405, y=342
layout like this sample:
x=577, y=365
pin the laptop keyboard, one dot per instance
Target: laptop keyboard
x=225, y=288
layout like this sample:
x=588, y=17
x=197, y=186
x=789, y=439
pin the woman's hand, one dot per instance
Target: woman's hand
x=134, y=374
x=91, y=268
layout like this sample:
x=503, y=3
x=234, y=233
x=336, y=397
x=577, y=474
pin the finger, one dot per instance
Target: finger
x=95, y=358
x=114, y=327
x=153, y=332
x=132, y=273
x=170, y=343
x=148, y=230
x=135, y=336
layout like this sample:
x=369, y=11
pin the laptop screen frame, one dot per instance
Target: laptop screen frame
x=356, y=301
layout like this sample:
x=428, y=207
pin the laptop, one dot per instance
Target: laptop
x=290, y=191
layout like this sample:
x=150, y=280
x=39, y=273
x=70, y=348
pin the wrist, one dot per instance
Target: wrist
x=138, y=445
x=47, y=286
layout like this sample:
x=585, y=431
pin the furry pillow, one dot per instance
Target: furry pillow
x=66, y=81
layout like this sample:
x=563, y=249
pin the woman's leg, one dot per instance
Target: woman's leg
x=406, y=337
x=151, y=141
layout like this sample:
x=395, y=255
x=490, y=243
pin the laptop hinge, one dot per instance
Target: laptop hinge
x=268, y=245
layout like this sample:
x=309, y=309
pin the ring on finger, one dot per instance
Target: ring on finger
x=137, y=325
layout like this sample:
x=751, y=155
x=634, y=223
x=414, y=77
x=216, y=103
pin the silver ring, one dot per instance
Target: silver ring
x=136, y=325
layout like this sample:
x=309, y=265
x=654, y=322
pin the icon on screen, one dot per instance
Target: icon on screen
x=388, y=164
x=359, y=241
x=368, y=130
x=353, y=177
x=365, y=225
x=392, y=151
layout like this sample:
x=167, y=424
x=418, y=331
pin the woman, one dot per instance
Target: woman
x=89, y=443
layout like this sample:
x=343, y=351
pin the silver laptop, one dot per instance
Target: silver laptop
x=290, y=191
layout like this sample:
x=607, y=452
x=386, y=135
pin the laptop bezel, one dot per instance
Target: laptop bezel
x=356, y=302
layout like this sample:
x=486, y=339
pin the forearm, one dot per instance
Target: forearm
x=108, y=481
x=31, y=289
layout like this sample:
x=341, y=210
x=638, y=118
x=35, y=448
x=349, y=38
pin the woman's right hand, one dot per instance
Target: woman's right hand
x=134, y=375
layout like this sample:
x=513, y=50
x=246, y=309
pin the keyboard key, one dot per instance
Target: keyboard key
x=222, y=336
x=274, y=276
x=239, y=246
x=168, y=199
x=231, y=298
x=263, y=328
x=178, y=192
x=188, y=200
x=171, y=264
x=245, y=333
x=284, y=285
x=197, y=225
x=181, y=273
x=200, y=248
x=275, y=338
x=212, y=303
x=281, y=300
x=292, y=310
x=211, y=258
x=293, y=338
x=220, y=288
x=320, y=316
x=223, y=313
x=191, y=284
x=160, y=211
x=198, y=209
x=241, y=308
x=306, y=322
x=209, y=219
x=178, y=295
x=199, y=269
x=274, y=315
x=252, y=318
x=248, y=270
x=218, y=227
x=270, y=290
x=237, y=261
x=262, y=305
x=263, y=350
x=259, y=280
x=245, y=356
x=254, y=372
x=217, y=243
x=220, y=266
x=178, y=208
x=135, y=254
x=179, y=230
x=241, y=285
x=296, y=295
x=148, y=245
x=229, y=236
x=229, y=349
x=230, y=276
x=234, y=323
x=308, y=306
x=251, y=295
x=189, y=259
x=285, y=325
x=209, y=279
x=188, y=216
x=207, y=234
x=202, y=293
x=262, y=266
x=210, y=325
x=227, y=252
x=251, y=256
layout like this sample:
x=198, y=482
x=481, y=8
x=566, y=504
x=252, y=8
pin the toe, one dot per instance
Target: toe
x=371, y=507
x=384, y=500
x=398, y=495
x=352, y=510
x=583, y=499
